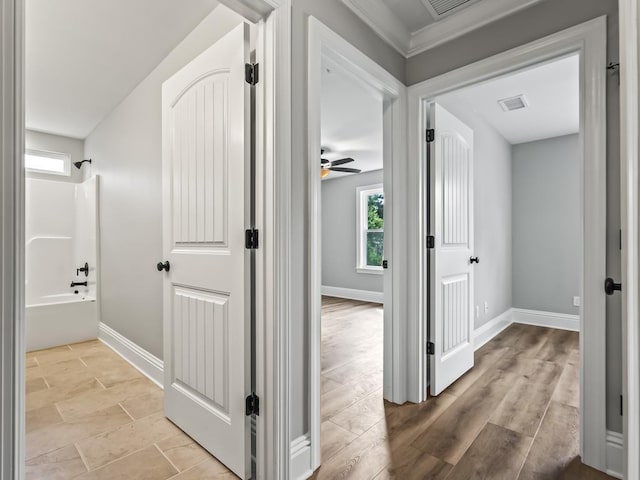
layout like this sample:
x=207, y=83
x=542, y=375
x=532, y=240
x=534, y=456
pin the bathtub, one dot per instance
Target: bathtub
x=60, y=319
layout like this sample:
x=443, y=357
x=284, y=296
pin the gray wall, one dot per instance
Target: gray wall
x=59, y=144
x=339, y=237
x=546, y=224
x=339, y=18
x=492, y=213
x=535, y=22
x=126, y=149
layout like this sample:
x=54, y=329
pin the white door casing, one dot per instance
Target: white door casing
x=451, y=272
x=206, y=152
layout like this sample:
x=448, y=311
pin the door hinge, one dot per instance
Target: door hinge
x=431, y=135
x=251, y=239
x=431, y=348
x=621, y=406
x=252, y=405
x=431, y=241
x=251, y=73
x=385, y=264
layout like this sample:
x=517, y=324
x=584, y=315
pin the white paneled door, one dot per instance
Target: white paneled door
x=206, y=147
x=450, y=260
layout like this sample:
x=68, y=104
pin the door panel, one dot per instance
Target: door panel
x=206, y=300
x=451, y=273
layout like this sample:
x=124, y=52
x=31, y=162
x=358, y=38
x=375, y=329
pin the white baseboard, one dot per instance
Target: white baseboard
x=615, y=454
x=148, y=364
x=301, y=458
x=353, y=294
x=561, y=321
x=493, y=327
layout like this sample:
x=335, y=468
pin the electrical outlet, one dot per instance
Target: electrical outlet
x=576, y=301
x=486, y=307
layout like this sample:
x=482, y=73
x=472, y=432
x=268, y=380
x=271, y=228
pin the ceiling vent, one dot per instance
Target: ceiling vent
x=513, y=103
x=440, y=8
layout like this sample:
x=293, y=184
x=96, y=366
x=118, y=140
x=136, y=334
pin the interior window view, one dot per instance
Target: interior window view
x=337, y=239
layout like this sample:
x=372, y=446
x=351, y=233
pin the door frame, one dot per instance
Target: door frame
x=629, y=14
x=325, y=43
x=273, y=188
x=589, y=41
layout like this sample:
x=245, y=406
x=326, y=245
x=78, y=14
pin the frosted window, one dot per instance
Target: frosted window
x=47, y=162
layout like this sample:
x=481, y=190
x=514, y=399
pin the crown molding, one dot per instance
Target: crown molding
x=383, y=21
x=386, y=24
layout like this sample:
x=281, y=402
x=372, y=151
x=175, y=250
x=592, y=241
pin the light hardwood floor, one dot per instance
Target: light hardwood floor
x=90, y=415
x=513, y=416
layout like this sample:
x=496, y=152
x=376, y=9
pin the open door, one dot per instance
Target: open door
x=206, y=155
x=450, y=259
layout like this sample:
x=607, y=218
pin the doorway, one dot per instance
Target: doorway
x=352, y=211
x=587, y=41
x=329, y=52
x=127, y=357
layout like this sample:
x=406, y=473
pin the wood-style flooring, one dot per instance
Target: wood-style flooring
x=91, y=415
x=513, y=416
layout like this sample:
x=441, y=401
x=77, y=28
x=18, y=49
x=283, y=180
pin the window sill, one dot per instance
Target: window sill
x=370, y=270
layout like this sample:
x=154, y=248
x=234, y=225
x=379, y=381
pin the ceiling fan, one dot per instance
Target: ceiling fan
x=328, y=166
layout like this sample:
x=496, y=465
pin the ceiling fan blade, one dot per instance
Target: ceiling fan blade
x=342, y=161
x=346, y=170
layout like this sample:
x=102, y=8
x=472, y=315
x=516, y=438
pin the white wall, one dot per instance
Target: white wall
x=56, y=143
x=339, y=236
x=126, y=148
x=492, y=213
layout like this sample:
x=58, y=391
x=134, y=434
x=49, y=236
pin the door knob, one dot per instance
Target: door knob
x=163, y=266
x=610, y=286
x=473, y=260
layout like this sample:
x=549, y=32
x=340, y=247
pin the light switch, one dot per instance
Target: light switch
x=576, y=301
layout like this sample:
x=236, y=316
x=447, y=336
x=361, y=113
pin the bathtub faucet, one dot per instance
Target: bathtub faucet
x=77, y=284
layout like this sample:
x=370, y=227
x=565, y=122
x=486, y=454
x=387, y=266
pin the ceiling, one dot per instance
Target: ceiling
x=413, y=26
x=351, y=120
x=551, y=91
x=83, y=57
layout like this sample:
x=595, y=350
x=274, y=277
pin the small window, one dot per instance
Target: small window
x=370, y=217
x=47, y=162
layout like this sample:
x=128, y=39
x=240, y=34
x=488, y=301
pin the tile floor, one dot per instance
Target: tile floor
x=91, y=415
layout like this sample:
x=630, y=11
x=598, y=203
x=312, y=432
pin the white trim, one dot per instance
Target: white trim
x=615, y=454
x=466, y=20
x=143, y=361
x=353, y=294
x=388, y=26
x=589, y=39
x=485, y=333
x=383, y=22
x=323, y=42
x=561, y=321
x=301, y=458
x=629, y=15
x=363, y=192
x=370, y=270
